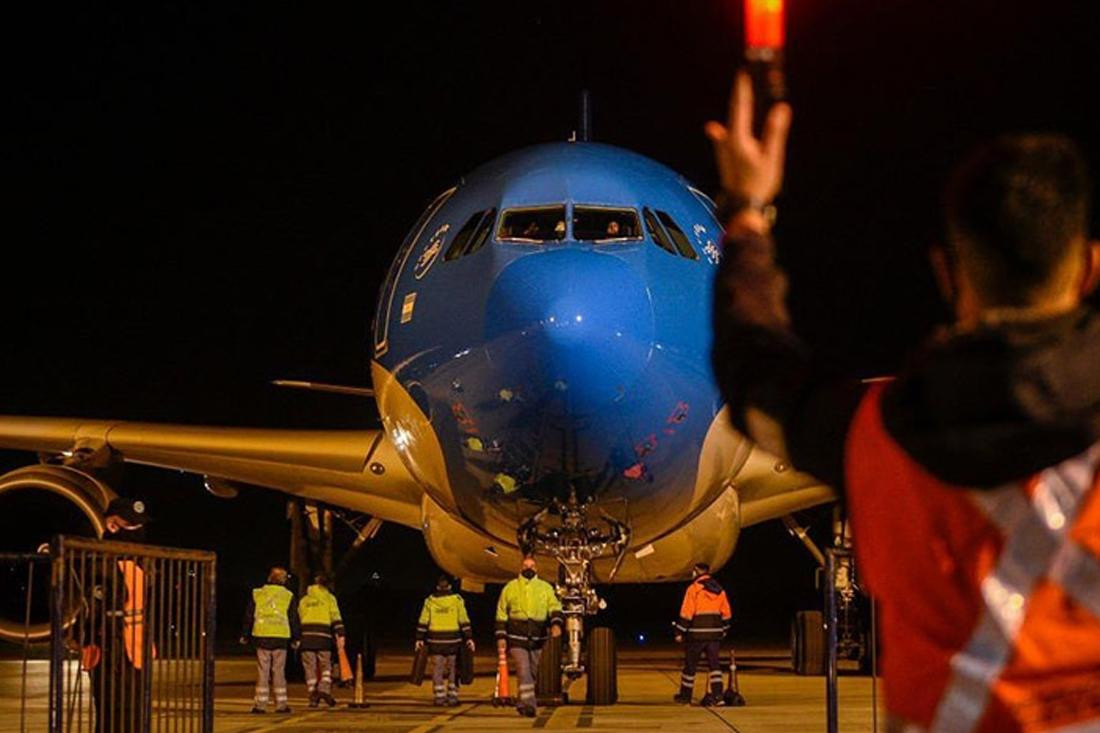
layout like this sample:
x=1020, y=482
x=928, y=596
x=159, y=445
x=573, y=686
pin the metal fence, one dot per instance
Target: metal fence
x=132, y=643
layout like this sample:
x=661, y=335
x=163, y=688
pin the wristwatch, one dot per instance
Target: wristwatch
x=728, y=206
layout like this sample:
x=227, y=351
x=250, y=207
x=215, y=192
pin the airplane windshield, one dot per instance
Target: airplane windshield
x=604, y=224
x=535, y=224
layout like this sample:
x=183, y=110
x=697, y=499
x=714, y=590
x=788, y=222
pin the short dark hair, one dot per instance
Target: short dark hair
x=1014, y=208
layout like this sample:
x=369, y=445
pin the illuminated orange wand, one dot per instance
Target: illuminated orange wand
x=765, y=37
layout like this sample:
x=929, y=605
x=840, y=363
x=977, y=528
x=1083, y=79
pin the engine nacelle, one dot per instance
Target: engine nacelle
x=87, y=494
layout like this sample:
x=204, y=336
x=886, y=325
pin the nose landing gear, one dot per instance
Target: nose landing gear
x=565, y=531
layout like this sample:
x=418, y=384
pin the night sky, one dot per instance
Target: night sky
x=204, y=198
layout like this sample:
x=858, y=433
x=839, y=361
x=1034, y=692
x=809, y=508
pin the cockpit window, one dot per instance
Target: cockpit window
x=461, y=243
x=533, y=224
x=482, y=234
x=678, y=236
x=605, y=224
x=660, y=237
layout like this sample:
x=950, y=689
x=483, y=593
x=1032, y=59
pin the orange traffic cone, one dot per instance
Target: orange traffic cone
x=358, y=701
x=501, y=695
x=345, y=667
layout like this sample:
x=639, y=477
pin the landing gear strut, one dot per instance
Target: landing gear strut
x=837, y=577
x=565, y=531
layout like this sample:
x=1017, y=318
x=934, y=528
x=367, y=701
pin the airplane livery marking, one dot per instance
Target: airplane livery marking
x=407, y=306
x=710, y=249
x=431, y=252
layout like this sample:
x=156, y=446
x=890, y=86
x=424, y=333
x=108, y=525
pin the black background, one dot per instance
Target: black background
x=205, y=197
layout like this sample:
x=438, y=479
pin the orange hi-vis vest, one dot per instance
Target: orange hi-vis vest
x=990, y=599
x=133, y=612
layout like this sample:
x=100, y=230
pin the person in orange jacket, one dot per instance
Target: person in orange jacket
x=703, y=623
x=113, y=634
x=972, y=480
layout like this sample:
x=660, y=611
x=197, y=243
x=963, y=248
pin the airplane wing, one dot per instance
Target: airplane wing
x=354, y=469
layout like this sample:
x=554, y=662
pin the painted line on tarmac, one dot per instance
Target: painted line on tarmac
x=441, y=720
x=725, y=722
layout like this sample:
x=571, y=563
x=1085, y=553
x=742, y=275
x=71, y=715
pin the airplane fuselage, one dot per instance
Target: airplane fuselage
x=560, y=359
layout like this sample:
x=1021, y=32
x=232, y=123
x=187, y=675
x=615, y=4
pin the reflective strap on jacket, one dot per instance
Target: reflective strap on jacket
x=1036, y=547
x=990, y=598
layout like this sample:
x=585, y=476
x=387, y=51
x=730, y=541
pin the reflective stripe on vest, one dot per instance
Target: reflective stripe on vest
x=271, y=620
x=990, y=599
x=1037, y=547
x=133, y=612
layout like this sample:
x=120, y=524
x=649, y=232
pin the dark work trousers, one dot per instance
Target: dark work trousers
x=118, y=689
x=692, y=651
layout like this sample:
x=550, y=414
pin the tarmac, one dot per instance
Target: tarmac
x=778, y=700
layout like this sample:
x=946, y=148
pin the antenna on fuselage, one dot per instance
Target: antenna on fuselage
x=586, y=117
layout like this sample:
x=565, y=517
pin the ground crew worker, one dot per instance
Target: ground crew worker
x=319, y=614
x=527, y=608
x=114, y=645
x=444, y=627
x=271, y=622
x=972, y=479
x=703, y=623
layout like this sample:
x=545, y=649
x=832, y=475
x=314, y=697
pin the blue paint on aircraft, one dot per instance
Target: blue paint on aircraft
x=545, y=365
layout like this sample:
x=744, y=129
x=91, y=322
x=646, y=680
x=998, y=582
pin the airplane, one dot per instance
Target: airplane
x=541, y=367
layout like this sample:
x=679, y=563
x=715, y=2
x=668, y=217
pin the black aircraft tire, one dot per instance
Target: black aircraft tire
x=603, y=683
x=808, y=643
x=548, y=679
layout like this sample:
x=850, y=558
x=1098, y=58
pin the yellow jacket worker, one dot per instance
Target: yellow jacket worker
x=321, y=624
x=444, y=626
x=528, y=608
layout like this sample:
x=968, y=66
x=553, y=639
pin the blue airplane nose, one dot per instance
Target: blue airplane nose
x=573, y=328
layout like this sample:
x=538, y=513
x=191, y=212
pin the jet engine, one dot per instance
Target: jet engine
x=37, y=502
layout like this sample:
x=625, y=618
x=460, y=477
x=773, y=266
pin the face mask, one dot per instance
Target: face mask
x=126, y=534
x=528, y=573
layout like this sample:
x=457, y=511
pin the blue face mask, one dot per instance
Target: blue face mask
x=528, y=573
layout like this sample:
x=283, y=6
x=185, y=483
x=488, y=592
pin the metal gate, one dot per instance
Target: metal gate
x=132, y=644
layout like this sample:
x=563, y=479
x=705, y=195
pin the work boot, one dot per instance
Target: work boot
x=329, y=699
x=257, y=710
x=285, y=710
x=453, y=702
x=314, y=699
x=439, y=702
x=684, y=698
x=711, y=700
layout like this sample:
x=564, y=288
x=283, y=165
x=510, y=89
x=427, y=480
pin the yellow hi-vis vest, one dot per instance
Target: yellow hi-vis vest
x=318, y=606
x=525, y=611
x=444, y=613
x=270, y=620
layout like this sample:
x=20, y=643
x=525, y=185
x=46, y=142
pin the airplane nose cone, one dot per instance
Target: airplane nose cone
x=570, y=325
